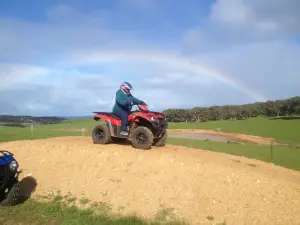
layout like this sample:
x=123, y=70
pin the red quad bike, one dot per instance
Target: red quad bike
x=145, y=128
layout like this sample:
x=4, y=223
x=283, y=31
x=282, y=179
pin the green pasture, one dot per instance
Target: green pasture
x=282, y=129
x=61, y=210
x=282, y=156
x=46, y=131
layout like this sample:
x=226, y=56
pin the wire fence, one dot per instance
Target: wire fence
x=271, y=151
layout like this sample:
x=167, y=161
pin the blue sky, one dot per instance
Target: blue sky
x=69, y=57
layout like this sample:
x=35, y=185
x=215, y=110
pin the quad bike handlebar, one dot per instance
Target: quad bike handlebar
x=143, y=107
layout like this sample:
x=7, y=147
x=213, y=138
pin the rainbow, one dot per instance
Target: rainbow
x=166, y=59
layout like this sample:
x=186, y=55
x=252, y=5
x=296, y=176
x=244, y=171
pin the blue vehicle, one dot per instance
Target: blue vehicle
x=9, y=182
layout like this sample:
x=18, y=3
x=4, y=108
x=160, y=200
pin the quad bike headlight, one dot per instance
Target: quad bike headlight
x=13, y=165
x=152, y=119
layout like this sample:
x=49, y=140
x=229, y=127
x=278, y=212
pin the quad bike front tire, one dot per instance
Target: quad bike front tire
x=142, y=138
x=13, y=196
x=101, y=134
x=161, y=142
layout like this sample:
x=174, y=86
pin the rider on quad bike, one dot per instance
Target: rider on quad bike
x=123, y=104
x=142, y=127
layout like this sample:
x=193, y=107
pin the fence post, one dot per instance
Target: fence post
x=82, y=131
x=272, y=151
x=31, y=129
x=190, y=141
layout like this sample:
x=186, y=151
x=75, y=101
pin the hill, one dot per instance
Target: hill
x=24, y=120
x=154, y=184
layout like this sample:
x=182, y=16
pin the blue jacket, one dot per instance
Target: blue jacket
x=124, y=101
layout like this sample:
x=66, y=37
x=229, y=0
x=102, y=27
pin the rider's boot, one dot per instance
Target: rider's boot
x=124, y=133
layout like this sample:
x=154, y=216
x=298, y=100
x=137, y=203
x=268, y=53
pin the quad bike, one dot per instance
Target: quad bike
x=9, y=183
x=145, y=128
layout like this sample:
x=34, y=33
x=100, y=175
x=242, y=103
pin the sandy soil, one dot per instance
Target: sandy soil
x=201, y=186
x=233, y=136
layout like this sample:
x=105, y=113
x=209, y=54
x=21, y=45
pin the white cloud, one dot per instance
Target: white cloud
x=37, y=107
x=197, y=70
x=65, y=99
x=251, y=41
x=177, y=80
x=271, y=67
x=13, y=74
x=271, y=19
x=69, y=16
x=233, y=13
x=239, y=53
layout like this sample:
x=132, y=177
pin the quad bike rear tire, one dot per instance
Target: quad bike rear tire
x=161, y=142
x=101, y=134
x=13, y=195
x=142, y=138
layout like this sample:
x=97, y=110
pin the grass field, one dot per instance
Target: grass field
x=282, y=156
x=282, y=129
x=61, y=210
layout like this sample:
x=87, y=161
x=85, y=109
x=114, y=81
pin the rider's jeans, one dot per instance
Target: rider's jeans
x=123, y=116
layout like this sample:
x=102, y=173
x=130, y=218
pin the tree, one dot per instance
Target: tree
x=282, y=107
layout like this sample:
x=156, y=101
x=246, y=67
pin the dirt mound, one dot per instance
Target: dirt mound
x=201, y=186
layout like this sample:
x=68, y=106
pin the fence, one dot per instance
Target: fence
x=82, y=130
x=267, y=151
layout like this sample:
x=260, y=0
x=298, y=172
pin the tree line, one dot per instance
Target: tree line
x=23, y=121
x=278, y=108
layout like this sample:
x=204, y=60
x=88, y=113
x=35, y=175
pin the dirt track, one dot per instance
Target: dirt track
x=197, y=184
x=233, y=136
x=208, y=134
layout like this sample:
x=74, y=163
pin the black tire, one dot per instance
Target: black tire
x=161, y=142
x=142, y=133
x=101, y=134
x=13, y=196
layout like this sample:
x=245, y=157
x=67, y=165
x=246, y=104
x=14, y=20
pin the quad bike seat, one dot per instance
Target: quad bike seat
x=109, y=114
